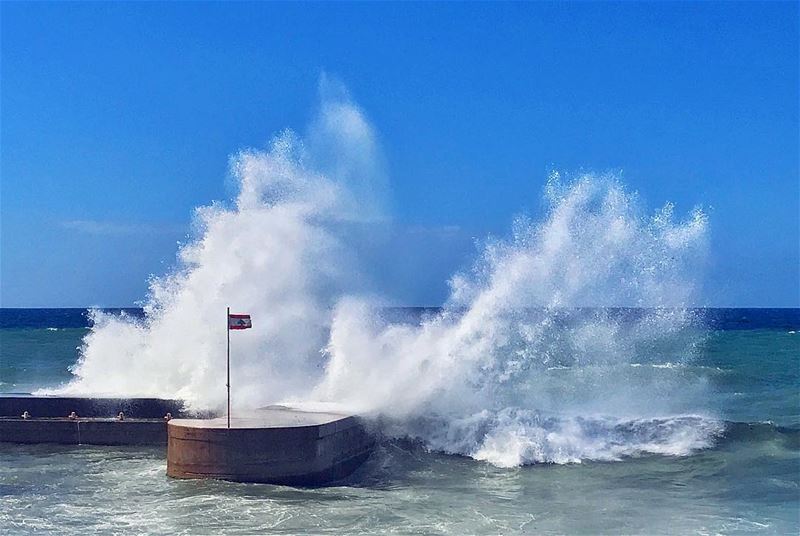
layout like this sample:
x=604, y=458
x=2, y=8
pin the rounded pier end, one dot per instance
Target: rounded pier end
x=276, y=444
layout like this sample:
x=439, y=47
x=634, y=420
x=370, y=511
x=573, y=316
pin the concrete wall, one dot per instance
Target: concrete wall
x=96, y=424
x=84, y=431
x=303, y=455
x=61, y=406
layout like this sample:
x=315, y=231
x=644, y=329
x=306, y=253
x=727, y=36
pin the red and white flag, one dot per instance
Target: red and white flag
x=239, y=322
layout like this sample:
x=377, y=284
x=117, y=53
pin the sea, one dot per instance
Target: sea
x=744, y=480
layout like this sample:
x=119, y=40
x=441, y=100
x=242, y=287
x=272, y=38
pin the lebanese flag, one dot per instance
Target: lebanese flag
x=239, y=322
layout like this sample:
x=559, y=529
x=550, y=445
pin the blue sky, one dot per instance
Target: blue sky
x=118, y=119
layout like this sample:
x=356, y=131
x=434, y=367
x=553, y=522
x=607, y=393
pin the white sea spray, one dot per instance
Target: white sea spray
x=527, y=362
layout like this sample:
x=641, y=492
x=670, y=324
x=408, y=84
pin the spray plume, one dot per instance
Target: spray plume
x=531, y=360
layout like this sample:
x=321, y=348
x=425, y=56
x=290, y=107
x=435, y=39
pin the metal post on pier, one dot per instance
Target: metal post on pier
x=228, y=384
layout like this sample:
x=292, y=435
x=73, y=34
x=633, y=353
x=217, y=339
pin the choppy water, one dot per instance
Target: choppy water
x=746, y=481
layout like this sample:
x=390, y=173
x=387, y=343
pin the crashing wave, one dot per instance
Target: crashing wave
x=514, y=366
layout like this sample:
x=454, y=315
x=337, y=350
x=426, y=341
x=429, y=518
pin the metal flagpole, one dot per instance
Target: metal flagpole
x=228, y=384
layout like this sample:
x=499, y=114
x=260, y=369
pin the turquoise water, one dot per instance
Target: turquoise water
x=35, y=358
x=747, y=482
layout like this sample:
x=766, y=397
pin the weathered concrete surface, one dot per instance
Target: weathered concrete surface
x=96, y=424
x=13, y=405
x=81, y=431
x=275, y=444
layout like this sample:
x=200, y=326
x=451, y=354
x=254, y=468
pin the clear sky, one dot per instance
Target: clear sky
x=118, y=119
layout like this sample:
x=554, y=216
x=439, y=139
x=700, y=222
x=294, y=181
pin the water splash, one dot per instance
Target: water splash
x=536, y=326
x=529, y=361
x=273, y=252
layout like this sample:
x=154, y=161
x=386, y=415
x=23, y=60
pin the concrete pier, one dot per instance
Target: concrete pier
x=84, y=431
x=95, y=422
x=13, y=405
x=276, y=444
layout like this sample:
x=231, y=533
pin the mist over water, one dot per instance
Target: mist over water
x=529, y=360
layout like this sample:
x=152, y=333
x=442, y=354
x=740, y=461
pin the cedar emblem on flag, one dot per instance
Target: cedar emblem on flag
x=239, y=322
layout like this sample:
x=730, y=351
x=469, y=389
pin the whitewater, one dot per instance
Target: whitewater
x=548, y=349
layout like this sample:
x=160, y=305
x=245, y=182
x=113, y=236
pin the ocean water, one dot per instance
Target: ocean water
x=530, y=402
x=744, y=478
